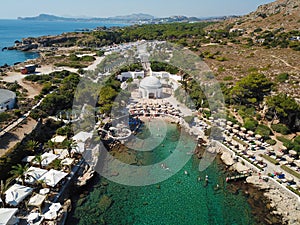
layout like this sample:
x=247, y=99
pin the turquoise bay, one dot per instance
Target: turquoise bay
x=181, y=199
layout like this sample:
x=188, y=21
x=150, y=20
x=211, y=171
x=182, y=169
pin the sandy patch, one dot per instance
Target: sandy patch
x=10, y=139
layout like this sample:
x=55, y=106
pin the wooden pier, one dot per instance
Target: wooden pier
x=238, y=177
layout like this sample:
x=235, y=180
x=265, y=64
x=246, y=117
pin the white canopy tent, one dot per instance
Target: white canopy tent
x=80, y=148
x=16, y=194
x=53, y=209
x=63, y=153
x=33, y=174
x=7, y=216
x=48, y=158
x=53, y=177
x=82, y=136
x=67, y=161
x=59, y=139
x=37, y=200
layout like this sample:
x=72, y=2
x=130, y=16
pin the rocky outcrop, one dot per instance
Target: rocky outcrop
x=227, y=158
x=287, y=7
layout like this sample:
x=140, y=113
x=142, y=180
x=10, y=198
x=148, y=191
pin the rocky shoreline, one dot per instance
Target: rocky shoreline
x=264, y=194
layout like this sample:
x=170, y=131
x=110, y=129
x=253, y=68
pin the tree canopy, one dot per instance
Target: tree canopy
x=285, y=108
x=251, y=89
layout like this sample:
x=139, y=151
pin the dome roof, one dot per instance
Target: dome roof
x=150, y=82
x=6, y=95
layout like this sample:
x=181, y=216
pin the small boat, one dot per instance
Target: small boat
x=186, y=172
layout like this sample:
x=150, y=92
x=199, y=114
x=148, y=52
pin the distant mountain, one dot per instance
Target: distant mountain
x=128, y=18
x=138, y=18
x=46, y=17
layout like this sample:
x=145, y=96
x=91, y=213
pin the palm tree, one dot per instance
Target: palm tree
x=19, y=171
x=38, y=158
x=3, y=188
x=32, y=145
x=69, y=145
x=51, y=144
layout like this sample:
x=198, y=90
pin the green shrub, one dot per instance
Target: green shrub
x=4, y=117
x=228, y=78
x=297, y=140
x=282, y=77
x=280, y=128
x=271, y=142
x=286, y=142
x=263, y=130
x=250, y=124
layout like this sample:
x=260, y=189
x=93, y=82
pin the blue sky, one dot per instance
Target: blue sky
x=100, y=8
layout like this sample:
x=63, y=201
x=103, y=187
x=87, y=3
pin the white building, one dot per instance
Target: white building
x=7, y=100
x=163, y=75
x=150, y=87
x=131, y=74
x=166, y=75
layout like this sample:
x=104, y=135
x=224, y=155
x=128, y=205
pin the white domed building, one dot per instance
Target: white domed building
x=7, y=100
x=150, y=87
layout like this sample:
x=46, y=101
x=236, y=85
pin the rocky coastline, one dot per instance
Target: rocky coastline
x=270, y=202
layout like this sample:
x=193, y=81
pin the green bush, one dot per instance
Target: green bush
x=280, y=128
x=250, y=124
x=228, y=78
x=282, y=77
x=263, y=130
x=297, y=140
x=4, y=117
x=271, y=142
x=286, y=142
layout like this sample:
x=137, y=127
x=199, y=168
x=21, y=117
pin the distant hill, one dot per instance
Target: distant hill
x=275, y=15
x=139, y=16
x=127, y=18
x=133, y=18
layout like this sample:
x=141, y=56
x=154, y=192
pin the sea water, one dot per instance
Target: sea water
x=13, y=30
x=181, y=199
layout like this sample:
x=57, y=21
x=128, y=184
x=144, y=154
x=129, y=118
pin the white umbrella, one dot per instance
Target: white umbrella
x=235, y=131
x=279, y=154
x=293, y=152
x=55, y=207
x=236, y=126
x=52, y=177
x=257, y=136
x=50, y=215
x=289, y=178
x=250, y=132
x=250, y=153
x=297, y=162
x=289, y=159
x=7, y=214
x=32, y=216
x=229, y=123
x=16, y=194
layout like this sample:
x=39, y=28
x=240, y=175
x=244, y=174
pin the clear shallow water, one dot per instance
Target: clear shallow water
x=181, y=199
x=12, y=30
